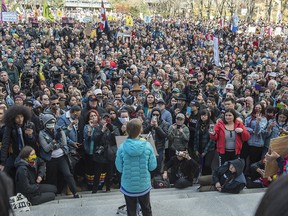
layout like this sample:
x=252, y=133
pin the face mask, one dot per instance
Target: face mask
x=50, y=126
x=31, y=159
x=123, y=120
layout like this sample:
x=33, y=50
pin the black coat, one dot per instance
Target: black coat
x=182, y=169
x=105, y=141
x=10, y=137
x=26, y=177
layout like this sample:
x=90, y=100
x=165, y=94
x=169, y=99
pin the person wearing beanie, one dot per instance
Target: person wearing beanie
x=54, y=150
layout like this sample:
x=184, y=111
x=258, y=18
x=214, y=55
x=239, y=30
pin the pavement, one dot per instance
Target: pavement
x=165, y=202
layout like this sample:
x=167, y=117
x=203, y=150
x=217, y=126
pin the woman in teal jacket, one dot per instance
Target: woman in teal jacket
x=135, y=160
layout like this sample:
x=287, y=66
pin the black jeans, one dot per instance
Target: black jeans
x=227, y=157
x=47, y=193
x=58, y=166
x=144, y=201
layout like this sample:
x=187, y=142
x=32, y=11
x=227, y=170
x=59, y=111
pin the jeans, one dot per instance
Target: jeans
x=131, y=203
x=60, y=165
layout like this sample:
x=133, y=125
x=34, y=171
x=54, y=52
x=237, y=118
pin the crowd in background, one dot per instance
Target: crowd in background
x=68, y=94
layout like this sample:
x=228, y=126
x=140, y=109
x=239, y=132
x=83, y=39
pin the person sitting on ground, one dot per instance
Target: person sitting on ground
x=228, y=178
x=30, y=173
x=183, y=170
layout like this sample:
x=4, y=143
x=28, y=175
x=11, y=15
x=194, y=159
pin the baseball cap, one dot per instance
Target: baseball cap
x=229, y=86
x=180, y=116
x=160, y=100
x=195, y=103
x=157, y=82
x=176, y=90
x=59, y=86
x=92, y=98
x=10, y=60
x=98, y=91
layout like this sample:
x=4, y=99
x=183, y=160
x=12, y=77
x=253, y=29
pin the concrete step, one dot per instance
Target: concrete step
x=164, y=202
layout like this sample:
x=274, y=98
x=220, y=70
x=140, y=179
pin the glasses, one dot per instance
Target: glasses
x=45, y=99
x=156, y=115
x=55, y=104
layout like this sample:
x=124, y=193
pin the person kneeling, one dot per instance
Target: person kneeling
x=183, y=170
x=30, y=172
x=228, y=178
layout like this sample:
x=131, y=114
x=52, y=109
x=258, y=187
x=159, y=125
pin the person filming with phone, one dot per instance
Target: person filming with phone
x=101, y=134
x=159, y=130
x=178, y=135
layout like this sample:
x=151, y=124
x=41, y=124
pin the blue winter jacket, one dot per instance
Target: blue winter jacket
x=135, y=159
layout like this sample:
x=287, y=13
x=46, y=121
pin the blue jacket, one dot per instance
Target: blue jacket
x=72, y=135
x=257, y=131
x=135, y=159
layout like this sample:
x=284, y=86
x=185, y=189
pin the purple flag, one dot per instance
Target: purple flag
x=4, y=9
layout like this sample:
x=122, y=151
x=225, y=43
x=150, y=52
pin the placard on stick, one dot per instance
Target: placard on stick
x=279, y=145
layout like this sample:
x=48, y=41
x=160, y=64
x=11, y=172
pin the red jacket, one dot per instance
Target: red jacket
x=219, y=136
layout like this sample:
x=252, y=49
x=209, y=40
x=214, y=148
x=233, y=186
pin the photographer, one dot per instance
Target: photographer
x=183, y=170
x=54, y=150
x=159, y=129
x=178, y=135
x=69, y=123
x=104, y=150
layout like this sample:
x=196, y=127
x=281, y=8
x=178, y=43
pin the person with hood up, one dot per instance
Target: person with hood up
x=159, y=130
x=30, y=173
x=135, y=160
x=228, y=178
x=54, y=150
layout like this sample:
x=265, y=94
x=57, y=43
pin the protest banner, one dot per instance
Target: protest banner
x=9, y=17
x=216, y=51
x=279, y=145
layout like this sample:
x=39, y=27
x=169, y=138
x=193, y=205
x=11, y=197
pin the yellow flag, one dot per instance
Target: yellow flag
x=110, y=18
x=59, y=13
x=129, y=21
x=47, y=13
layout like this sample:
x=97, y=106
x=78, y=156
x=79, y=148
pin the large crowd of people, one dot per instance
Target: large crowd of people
x=67, y=94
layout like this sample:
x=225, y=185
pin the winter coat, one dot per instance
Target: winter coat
x=202, y=141
x=159, y=133
x=178, y=140
x=10, y=137
x=105, y=141
x=135, y=160
x=26, y=176
x=230, y=182
x=46, y=143
x=182, y=169
x=219, y=136
x=257, y=131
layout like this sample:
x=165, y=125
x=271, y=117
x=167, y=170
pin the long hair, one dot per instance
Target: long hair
x=233, y=113
x=12, y=112
x=6, y=191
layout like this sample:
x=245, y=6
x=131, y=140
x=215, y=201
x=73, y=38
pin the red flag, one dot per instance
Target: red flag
x=103, y=17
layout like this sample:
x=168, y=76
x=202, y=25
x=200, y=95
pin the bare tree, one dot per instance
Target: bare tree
x=250, y=9
x=284, y=6
x=220, y=6
x=209, y=7
x=269, y=4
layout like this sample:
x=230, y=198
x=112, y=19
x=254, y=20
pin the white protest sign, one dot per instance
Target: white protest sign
x=252, y=29
x=278, y=31
x=244, y=11
x=216, y=51
x=9, y=17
